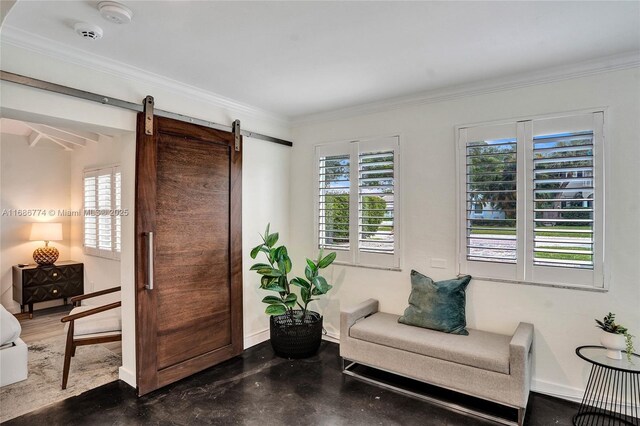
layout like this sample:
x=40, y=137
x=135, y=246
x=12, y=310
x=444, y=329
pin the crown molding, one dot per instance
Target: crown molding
x=16, y=37
x=596, y=66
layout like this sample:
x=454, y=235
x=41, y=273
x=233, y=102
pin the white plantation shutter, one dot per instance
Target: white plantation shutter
x=563, y=197
x=90, y=221
x=533, y=203
x=362, y=226
x=102, y=197
x=105, y=199
x=333, y=205
x=117, y=237
x=491, y=188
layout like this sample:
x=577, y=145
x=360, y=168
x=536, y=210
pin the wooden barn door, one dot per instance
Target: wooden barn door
x=188, y=251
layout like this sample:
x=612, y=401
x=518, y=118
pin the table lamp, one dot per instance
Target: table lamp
x=46, y=231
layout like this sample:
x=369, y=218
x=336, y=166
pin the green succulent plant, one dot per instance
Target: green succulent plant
x=274, y=277
x=609, y=325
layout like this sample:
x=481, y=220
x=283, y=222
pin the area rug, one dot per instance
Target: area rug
x=92, y=366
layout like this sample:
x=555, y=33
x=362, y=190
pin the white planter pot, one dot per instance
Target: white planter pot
x=614, y=343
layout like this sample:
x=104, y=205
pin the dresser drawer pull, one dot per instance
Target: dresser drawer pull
x=55, y=291
x=55, y=274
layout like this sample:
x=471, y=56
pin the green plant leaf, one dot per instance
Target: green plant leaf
x=271, y=272
x=305, y=294
x=300, y=282
x=271, y=300
x=265, y=281
x=290, y=300
x=272, y=239
x=275, y=286
x=259, y=266
x=255, y=251
x=308, y=273
x=288, y=266
x=312, y=265
x=275, y=310
x=317, y=292
x=327, y=260
x=266, y=232
x=321, y=284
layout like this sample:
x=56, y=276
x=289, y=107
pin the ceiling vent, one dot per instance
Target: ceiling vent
x=89, y=31
x=115, y=12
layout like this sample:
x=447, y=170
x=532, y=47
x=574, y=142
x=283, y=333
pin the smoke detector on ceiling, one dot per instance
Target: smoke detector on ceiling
x=115, y=12
x=90, y=31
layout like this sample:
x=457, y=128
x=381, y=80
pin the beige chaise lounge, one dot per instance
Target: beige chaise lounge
x=486, y=365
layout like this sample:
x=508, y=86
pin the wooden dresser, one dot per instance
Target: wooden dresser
x=33, y=283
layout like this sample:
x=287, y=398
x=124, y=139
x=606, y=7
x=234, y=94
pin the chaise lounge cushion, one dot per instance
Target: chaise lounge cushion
x=484, y=350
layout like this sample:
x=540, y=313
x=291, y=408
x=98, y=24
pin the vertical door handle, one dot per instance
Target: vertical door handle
x=149, y=284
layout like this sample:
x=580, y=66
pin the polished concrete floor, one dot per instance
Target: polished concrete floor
x=259, y=388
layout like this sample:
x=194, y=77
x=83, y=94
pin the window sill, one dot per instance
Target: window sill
x=116, y=259
x=564, y=286
x=382, y=268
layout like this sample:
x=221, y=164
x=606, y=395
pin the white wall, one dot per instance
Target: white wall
x=32, y=178
x=563, y=318
x=265, y=168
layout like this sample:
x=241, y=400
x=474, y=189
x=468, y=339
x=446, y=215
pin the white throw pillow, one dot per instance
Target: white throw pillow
x=9, y=327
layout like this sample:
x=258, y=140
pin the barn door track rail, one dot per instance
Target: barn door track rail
x=142, y=107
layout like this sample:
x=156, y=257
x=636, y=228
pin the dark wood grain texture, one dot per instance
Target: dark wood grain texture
x=188, y=192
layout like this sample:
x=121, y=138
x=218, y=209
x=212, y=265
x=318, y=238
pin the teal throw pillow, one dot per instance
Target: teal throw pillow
x=437, y=305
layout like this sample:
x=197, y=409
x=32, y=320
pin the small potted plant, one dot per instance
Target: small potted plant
x=295, y=332
x=615, y=337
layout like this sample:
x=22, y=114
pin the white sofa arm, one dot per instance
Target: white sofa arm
x=350, y=315
x=520, y=347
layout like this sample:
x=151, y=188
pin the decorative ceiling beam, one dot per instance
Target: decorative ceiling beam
x=34, y=138
x=89, y=136
x=53, y=132
x=64, y=144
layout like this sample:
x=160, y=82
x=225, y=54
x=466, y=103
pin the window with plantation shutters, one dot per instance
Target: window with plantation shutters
x=532, y=196
x=102, y=221
x=357, y=201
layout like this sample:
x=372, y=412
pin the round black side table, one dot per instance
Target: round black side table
x=612, y=396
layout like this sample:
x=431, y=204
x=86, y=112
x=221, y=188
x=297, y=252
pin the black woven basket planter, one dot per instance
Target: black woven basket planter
x=292, y=337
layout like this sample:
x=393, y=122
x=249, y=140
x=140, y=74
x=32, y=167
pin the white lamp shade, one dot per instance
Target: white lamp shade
x=46, y=231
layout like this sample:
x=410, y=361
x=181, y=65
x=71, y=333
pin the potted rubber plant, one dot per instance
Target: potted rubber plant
x=295, y=330
x=615, y=337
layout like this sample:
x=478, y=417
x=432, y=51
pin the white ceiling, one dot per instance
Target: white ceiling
x=299, y=58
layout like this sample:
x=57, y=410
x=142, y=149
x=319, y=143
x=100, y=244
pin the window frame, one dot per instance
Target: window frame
x=525, y=271
x=113, y=253
x=354, y=256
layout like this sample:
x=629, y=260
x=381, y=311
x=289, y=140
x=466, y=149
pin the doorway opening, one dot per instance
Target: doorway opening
x=67, y=190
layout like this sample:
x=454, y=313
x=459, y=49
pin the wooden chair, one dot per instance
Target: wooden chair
x=89, y=325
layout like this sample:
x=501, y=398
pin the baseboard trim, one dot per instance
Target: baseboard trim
x=256, y=338
x=557, y=390
x=329, y=337
x=127, y=376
